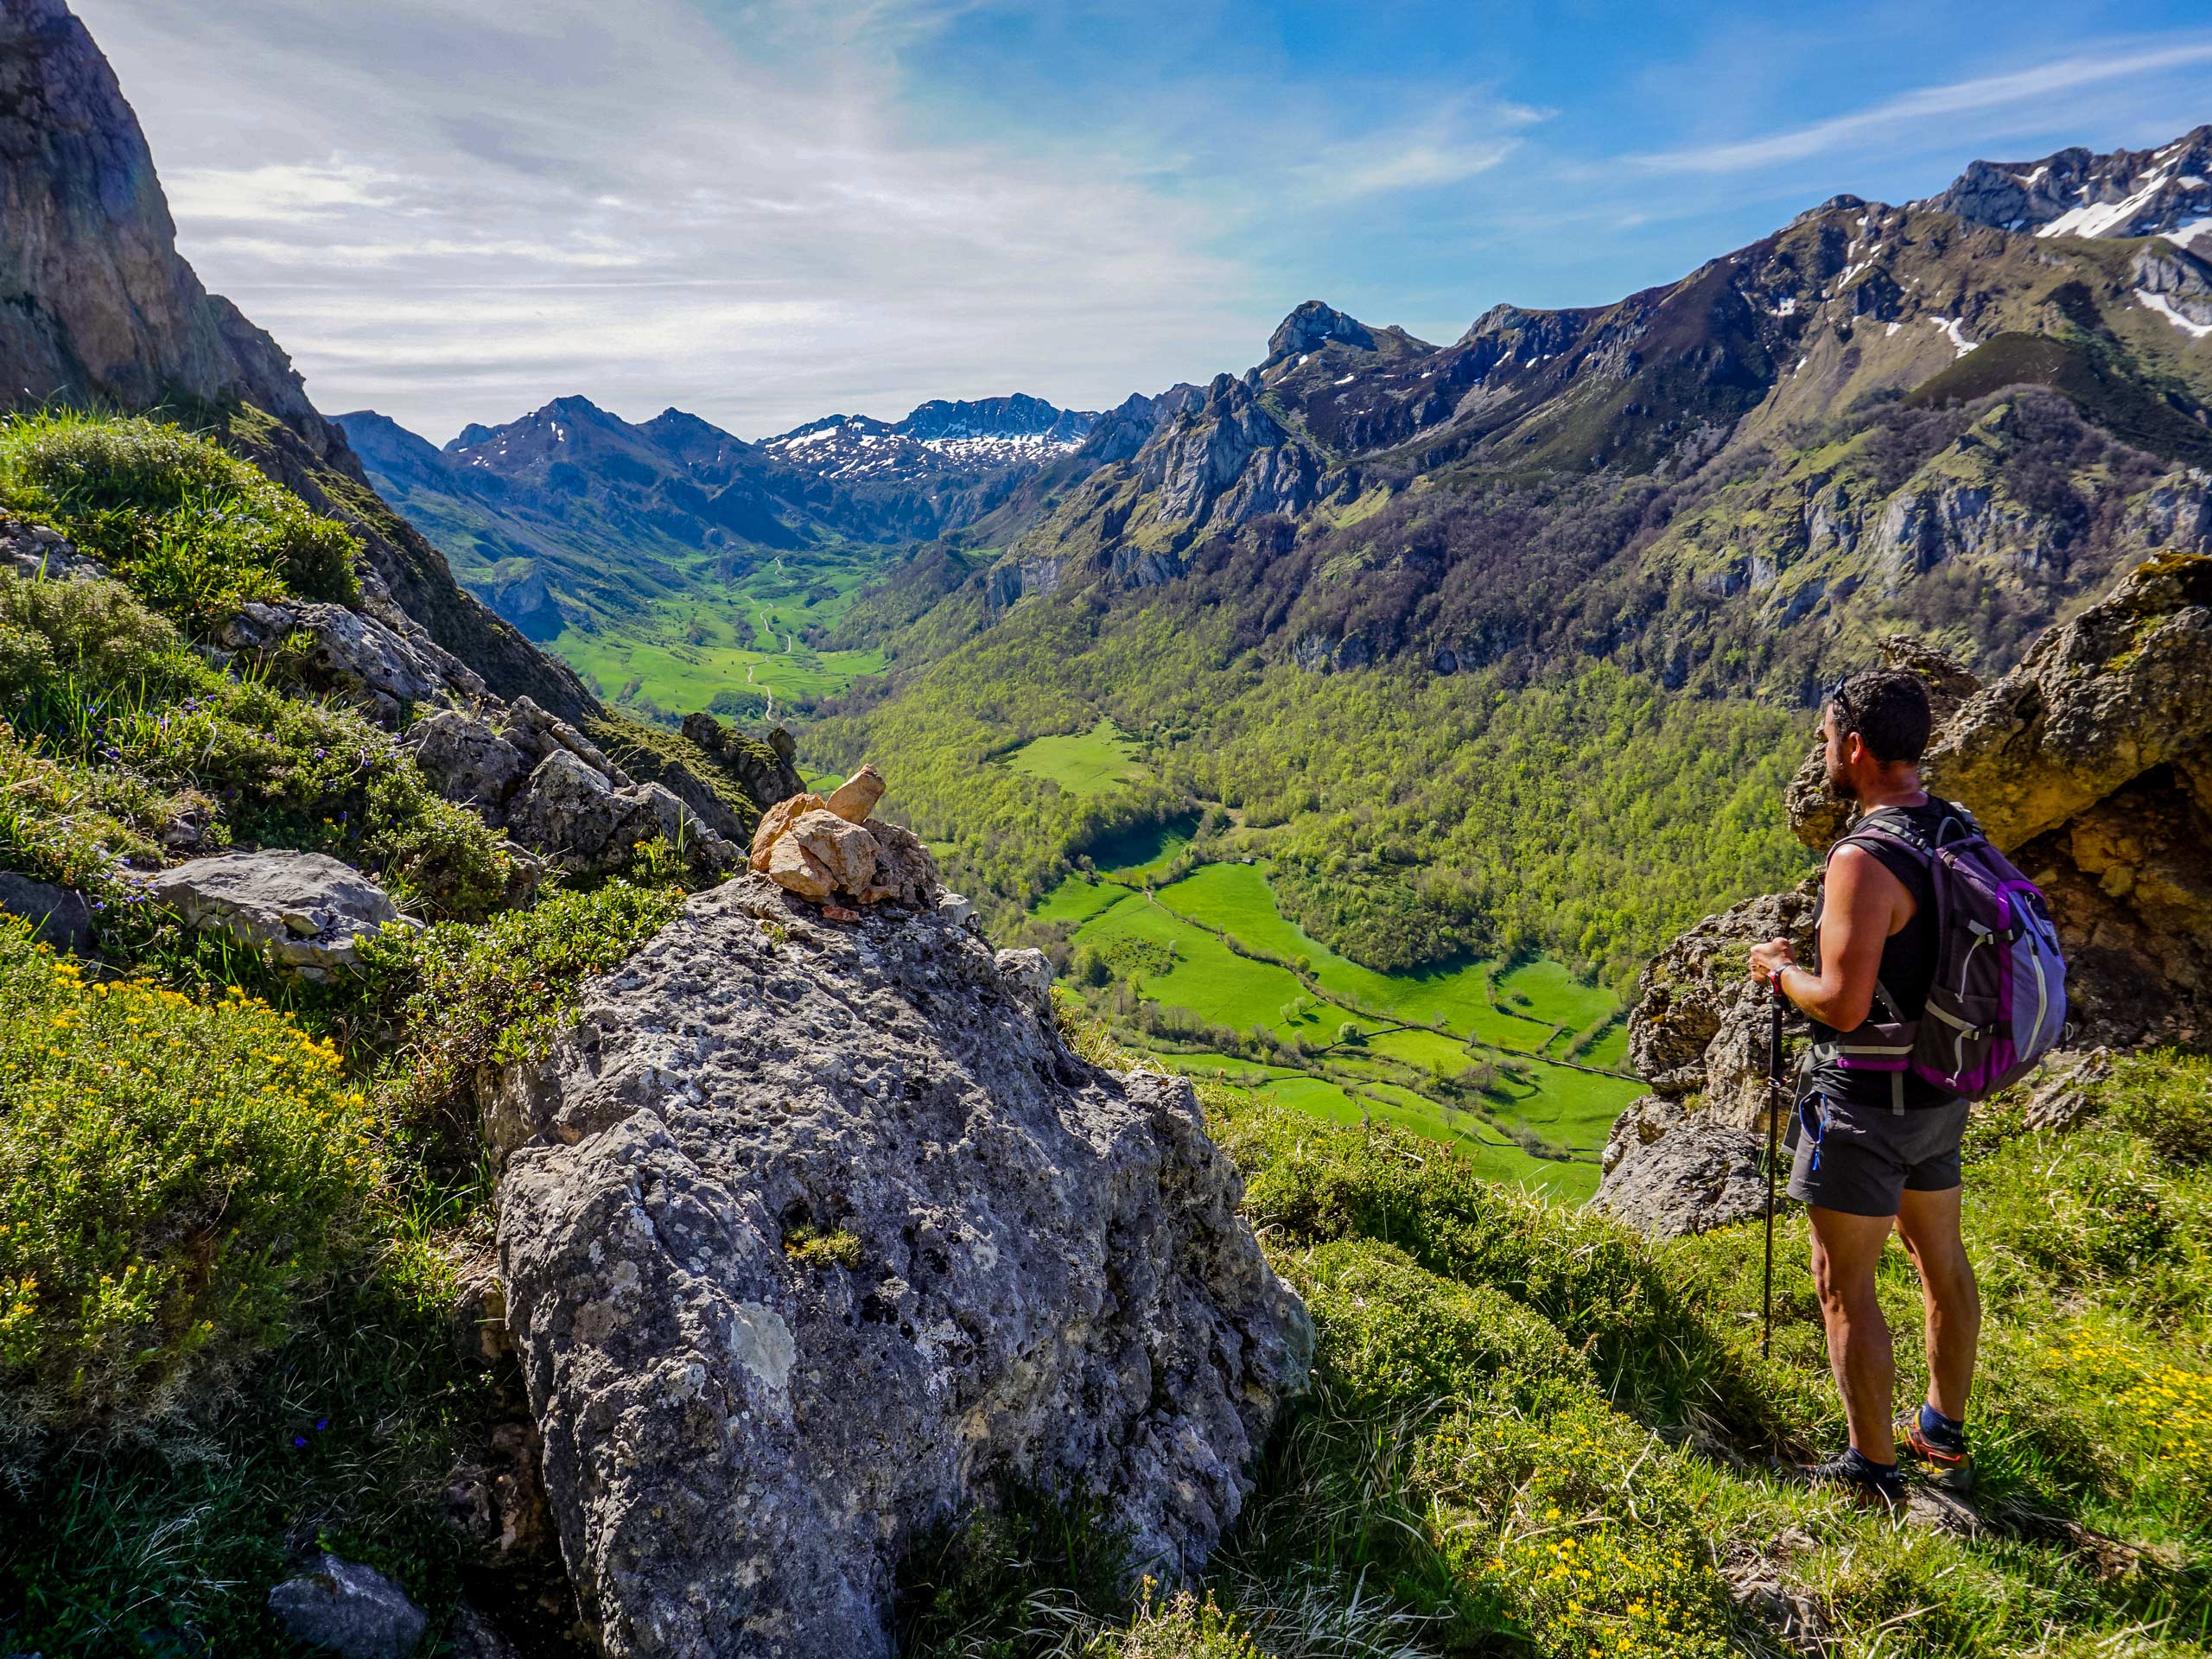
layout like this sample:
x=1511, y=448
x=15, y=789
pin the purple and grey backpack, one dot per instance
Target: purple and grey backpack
x=1997, y=1003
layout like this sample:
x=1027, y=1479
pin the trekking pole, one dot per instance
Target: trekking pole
x=1773, y=1131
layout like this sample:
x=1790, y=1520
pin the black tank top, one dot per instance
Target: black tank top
x=1907, y=966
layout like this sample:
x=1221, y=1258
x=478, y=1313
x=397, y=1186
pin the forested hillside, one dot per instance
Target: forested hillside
x=1494, y=647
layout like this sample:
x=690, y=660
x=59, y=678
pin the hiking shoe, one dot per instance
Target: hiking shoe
x=1869, y=1482
x=1944, y=1460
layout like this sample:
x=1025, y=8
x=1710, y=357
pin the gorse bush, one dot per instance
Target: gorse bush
x=197, y=532
x=174, y=1174
x=467, y=997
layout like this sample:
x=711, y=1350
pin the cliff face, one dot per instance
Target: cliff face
x=98, y=306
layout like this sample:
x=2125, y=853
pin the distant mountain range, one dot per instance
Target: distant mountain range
x=1380, y=460
x=571, y=512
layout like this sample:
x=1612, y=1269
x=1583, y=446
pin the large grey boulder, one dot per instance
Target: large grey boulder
x=349, y=1609
x=60, y=918
x=582, y=822
x=305, y=911
x=811, y=1234
x=1670, y=1172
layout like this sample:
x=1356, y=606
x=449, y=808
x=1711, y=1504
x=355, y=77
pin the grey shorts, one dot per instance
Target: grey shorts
x=1857, y=1159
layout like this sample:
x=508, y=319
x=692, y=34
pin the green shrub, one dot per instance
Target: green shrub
x=472, y=997
x=195, y=531
x=74, y=826
x=174, y=1174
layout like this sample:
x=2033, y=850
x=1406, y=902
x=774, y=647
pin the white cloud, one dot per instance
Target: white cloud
x=1930, y=103
x=456, y=209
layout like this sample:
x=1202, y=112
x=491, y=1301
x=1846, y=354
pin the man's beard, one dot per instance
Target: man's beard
x=1841, y=787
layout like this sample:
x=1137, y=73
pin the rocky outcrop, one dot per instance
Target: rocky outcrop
x=2091, y=765
x=824, y=848
x=99, y=306
x=1227, y=461
x=811, y=1237
x=1670, y=1172
x=762, y=769
x=304, y=911
x=1699, y=1027
x=556, y=791
x=351, y=654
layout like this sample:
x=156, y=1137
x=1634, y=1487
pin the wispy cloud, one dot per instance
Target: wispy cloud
x=1930, y=104
x=634, y=208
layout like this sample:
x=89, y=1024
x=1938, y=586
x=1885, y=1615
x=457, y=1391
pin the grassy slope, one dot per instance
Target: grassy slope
x=1094, y=762
x=1532, y=1432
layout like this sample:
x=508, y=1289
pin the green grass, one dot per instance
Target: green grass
x=1161, y=948
x=195, y=529
x=1237, y=899
x=1553, y=994
x=1095, y=762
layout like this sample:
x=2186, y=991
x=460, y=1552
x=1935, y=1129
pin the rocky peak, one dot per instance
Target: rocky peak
x=1314, y=325
x=101, y=307
x=2126, y=193
x=1019, y=416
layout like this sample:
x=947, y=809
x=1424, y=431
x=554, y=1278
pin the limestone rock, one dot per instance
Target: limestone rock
x=795, y=869
x=1033, y=973
x=1053, y=1283
x=2125, y=687
x=572, y=812
x=355, y=656
x=1669, y=1172
x=905, y=872
x=60, y=917
x=854, y=798
x=349, y=1609
x=958, y=908
x=468, y=760
x=305, y=911
x=818, y=848
x=1699, y=1025
x=840, y=844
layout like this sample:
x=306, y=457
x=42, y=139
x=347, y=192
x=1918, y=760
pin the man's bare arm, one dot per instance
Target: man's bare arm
x=1865, y=905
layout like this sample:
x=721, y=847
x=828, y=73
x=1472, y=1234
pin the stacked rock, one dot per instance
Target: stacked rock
x=820, y=847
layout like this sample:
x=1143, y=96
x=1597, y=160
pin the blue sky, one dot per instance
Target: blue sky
x=454, y=210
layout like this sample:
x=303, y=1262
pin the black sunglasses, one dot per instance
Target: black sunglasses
x=1835, y=695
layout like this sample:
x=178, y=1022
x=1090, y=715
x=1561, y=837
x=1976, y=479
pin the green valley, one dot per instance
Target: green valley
x=1206, y=976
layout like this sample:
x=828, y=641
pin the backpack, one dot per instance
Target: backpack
x=1997, y=1001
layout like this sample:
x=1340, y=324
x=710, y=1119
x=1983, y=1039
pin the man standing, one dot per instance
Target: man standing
x=1880, y=1149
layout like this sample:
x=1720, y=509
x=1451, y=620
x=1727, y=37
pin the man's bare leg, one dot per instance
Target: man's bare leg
x=1845, y=1248
x=1929, y=1223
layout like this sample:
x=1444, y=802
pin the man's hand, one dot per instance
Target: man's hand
x=1769, y=959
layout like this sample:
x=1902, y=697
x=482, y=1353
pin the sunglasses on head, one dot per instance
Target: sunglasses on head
x=1835, y=695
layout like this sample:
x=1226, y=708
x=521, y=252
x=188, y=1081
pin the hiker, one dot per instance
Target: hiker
x=1878, y=1149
